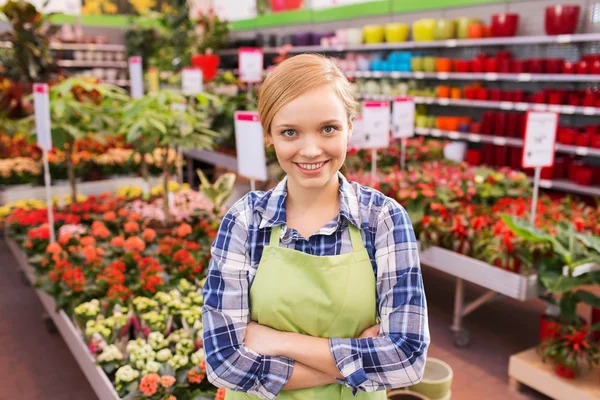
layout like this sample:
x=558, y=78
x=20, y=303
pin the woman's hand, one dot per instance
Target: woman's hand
x=264, y=340
x=371, y=332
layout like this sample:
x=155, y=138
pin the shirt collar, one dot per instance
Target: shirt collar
x=272, y=205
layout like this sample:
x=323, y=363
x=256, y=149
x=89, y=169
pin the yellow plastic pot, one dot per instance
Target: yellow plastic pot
x=396, y=33
x=373, y=33
x=445, y=29
x=437, y=380
x=462, y=26
x=424, y=30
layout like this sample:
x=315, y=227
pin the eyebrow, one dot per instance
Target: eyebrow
x=288, y=126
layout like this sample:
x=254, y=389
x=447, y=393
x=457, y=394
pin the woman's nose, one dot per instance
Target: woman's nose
x=311, y=148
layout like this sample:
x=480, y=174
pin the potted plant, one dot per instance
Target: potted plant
x=211, y=36
x=153, y=122
x=570, y=349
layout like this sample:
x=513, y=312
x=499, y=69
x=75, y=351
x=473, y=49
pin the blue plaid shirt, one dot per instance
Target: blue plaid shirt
x=394, y=359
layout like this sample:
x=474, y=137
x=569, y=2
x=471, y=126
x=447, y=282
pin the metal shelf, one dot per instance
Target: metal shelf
x=78, y=46
x=568, y=186
x=504, y=41
x=98, y=380
x=475, y=76
x=212, y=157
x=120, y=82
x=91, y=64
x=502, y=141
x=501, y=105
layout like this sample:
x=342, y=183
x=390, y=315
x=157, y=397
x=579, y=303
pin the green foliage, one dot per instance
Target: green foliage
x=211, y=33
x=219, y=192
x=572, y=348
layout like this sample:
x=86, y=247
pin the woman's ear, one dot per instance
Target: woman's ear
x=268, y=140
x=350, y=127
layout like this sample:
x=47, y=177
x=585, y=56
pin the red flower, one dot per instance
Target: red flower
x=134, y=243
x=53, y=248
x=183, y=230
x=195, y=377
x=131, y=227
x=149, y=384
x=149, y=235
x=117, y=241
x=87, y=241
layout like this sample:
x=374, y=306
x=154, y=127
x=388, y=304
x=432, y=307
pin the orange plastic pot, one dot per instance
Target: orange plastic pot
x=443, y=65
x=456, y=93
x=475, y=31
x=443, y=91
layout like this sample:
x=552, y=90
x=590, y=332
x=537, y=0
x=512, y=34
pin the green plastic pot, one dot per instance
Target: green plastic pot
x=429, y=64
x=462, y=26
x=445, y=29
x=416, y=64
x=406, y=395
x=437, y=380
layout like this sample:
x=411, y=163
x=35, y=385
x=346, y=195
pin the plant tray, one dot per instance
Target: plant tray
x=516, y=286
x=526, y=368
x=22, y=192
x=94, y=374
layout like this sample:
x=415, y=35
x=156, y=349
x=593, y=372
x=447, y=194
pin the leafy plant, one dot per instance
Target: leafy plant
x=153, y=121
x=29, y=35
x=81, y=108
x=219, y=192
x=571, y=348
x=211, y=33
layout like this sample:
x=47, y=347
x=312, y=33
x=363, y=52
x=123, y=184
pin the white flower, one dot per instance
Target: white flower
x=184, y=347
x=164, y=355
x=178, y=361
x=140, y=364
x=157, y=340
x=89, y=309
x=110, y=353
x=126, y=374
x=152, y=366
x=134, y=345
x=197, y=357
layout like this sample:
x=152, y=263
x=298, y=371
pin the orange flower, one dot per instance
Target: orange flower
x=149, y=234
x=109, y=216
x=149, y=384
x=184, y=230
x=123, y=213
x=131, y=227
x=100, y=230
x=64, y=239
x=89, y=253
x=167, y=381
x=134, y=243
x=88, y=241
x=29, y=244
x=195, y=377
x=53, y=248
x=220, y=395
x=135, y=217
x=172, y=398
x=117, y=241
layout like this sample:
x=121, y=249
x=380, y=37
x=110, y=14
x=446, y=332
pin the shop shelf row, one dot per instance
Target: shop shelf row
x=451, y=43
x=490, y=76
x=78, y=46
x=501, y=105
x=91, y=64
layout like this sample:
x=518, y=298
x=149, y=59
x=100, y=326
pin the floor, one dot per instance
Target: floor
x=35, y=364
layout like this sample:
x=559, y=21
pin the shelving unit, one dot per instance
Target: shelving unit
x=78, y=46
x=500, y=105
x=91, y=64
x=504, y=41
x=491, y=77
x=568, y=186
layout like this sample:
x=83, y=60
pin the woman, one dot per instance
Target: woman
x=301, y=274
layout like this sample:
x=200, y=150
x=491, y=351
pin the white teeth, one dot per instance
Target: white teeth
x=311, y=167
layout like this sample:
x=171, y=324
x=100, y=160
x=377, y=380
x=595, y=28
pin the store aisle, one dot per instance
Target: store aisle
x=36, y=365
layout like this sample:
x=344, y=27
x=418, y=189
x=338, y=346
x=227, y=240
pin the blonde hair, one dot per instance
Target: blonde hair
x=298, y=75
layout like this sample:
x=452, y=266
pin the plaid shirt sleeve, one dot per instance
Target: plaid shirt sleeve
x=397, y=357
x=225, y=315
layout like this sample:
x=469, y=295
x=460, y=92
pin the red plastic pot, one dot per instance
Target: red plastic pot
x=536, y=65
x=554, y=65
x=595, y=67
x=547, y=173
x=568, y=67
x=209, y=63
x=583, y=67
x=555, y=98
x=561, y=19
x=595, y=141
x=585, y=175
x=515, y=158
x=491, y=65
x=462, y=66
x=470, y=93
x=518, y=95
x=564, y=372
x=583, y=139
x=473, y=156
x=504, y=65
x=504, y=24
x=566, y=135
x=500, y=156
x=518, y=66
x=573, y=99
x=477, y=65
x=560, y=168
x=482, y=94
x=285, y=5
x=495, y=94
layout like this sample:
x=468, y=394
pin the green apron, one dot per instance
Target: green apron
x=329, y=296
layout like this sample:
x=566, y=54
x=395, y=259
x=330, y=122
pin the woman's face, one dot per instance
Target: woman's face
x=310, y=136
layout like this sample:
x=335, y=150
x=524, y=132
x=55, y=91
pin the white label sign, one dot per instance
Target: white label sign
x=540, y=139
x=136, y=77
x=191, y=81
x=403, y=117
x=376, y=117
x=41, y=104
x=250, y=145
x=250, y=64
x=358, y=134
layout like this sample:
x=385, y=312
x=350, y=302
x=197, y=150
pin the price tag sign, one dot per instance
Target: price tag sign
x=250, y=61
x=136, y=77
x=153, y=82
x=41, y=104
x=357, y=140
x=540, y=139
x=250, y=145
x=403, y=117
x=191, y=81
x=376, y=117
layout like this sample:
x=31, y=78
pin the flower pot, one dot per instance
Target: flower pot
x=583, y=139
x=561, y=19
x=285, y=5
x=424, y=30
x=567, y=135
x=560, y=168
x=547, y=173
x=373, y=34
x=209, y=63
x=437, y=380
x=504, y=25
x=445, y=29
x=595, y=141
x=584, y=175
x=475, y=31
x=462, y=26
x=443, y=65
x=473, y=157
x=395, y=33
x=405, y=395
x=564, y=372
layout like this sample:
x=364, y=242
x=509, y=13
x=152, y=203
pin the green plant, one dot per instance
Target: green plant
x=81, y=108
x=152, y=121
x=571, y=348
x=176, y=28
x=219, y=192
x=211, y=33
x=29, y=37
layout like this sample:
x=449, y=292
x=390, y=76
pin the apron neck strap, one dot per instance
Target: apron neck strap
x=275, y=232
x=357, y=242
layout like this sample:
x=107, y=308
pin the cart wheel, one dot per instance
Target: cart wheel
x=49, y=324
x=462, y=338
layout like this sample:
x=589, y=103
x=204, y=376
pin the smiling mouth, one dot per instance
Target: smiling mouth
x=312, y=166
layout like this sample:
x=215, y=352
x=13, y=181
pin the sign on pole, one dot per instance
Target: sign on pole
x=376, y=120
x=403, y=123
x=136, y=77
x=539, y=148
x=41, y=104
x=250, y=145
x=250, y=62
x=191, y=81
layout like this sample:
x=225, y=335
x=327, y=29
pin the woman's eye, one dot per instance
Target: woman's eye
x=329, y=129
x=289, y=133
